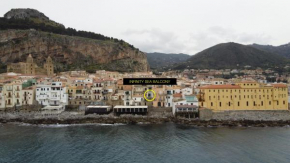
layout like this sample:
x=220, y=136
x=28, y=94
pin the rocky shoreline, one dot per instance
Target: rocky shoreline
x=148, y=120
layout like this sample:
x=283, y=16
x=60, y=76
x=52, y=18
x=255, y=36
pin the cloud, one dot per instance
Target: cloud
x=157, y=40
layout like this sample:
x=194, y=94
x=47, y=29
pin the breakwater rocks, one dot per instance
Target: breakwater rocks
x=84, y=120
x=150, y=120
x=37, y=118
x=232, y=123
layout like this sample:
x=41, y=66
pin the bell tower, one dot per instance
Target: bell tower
x=30, y=67
x=49, y=66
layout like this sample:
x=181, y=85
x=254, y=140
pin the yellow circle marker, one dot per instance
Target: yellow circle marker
x=154, y=95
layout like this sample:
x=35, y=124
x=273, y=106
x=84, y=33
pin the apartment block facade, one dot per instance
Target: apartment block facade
x=244, y=96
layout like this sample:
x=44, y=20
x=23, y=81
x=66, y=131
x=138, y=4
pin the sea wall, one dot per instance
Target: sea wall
x=254, y=115
x=79, y=118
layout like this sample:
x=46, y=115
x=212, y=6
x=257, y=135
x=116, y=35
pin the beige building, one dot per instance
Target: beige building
x=12, y=94
x=28, y=95
x=31, y=68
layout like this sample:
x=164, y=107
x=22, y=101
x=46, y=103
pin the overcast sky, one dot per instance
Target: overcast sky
x=171, y=26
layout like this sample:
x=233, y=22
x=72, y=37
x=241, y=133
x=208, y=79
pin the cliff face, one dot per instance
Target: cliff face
x=69, y=52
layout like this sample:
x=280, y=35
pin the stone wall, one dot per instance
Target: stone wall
x=265, y=115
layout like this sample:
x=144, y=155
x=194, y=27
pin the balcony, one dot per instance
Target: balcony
x=96, y=92
x=139, y=91
x=186, y=110
x=105, y=92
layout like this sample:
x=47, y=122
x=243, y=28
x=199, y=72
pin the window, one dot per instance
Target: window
x=262, y=103
x=229, y=103
x=269, y=102
x=211, y=104
x=238, y=103
x=254, y=103
x=220, y=104
x=247, y=103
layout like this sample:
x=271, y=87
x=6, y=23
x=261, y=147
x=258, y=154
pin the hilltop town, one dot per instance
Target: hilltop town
x=27, y=89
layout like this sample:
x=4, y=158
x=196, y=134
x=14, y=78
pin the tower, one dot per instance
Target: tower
x=30, y=67
x=49, y=66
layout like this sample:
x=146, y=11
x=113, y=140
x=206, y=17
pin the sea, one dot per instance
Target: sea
x=169, y=142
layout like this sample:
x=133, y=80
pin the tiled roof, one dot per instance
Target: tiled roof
x=228, y=86
x=177, y=95
x=279, y=85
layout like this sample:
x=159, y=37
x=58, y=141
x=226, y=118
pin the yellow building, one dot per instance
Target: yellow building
x=244, y=96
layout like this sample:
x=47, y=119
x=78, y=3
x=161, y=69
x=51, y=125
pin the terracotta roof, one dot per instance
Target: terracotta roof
x=248, y=81
x=177, y=95
x=228, y=86
x=98, y=81
x=127, y=87
x=79, y=87
x=279, y=85
x=120, y=82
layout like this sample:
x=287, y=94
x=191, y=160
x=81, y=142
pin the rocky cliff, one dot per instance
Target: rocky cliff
x=21, y=35
x=68, y=52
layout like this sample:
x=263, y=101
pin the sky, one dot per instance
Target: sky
x=171, y=26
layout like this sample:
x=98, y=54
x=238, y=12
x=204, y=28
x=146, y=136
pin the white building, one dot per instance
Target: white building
x=186, y=91
x=189, y=102
x=52, y=95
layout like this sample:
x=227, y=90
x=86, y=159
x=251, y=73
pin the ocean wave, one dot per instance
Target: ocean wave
x=68, y=125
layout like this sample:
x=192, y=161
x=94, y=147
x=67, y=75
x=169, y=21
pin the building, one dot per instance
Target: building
x=244, y=96
x=31, y=68
x=187, y=106
x=11, y=92
x=52, y=110
x=2, y=98
x=48, y=66
x=28, y=96
x=142, y=110
x=52, y=95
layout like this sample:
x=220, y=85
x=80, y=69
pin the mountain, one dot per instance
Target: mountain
x=32, y=15
x=162, y=60
x=283, y=50
x=28, y=31
x=232, y=55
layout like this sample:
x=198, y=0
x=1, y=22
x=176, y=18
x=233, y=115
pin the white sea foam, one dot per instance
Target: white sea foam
x=68, y=125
